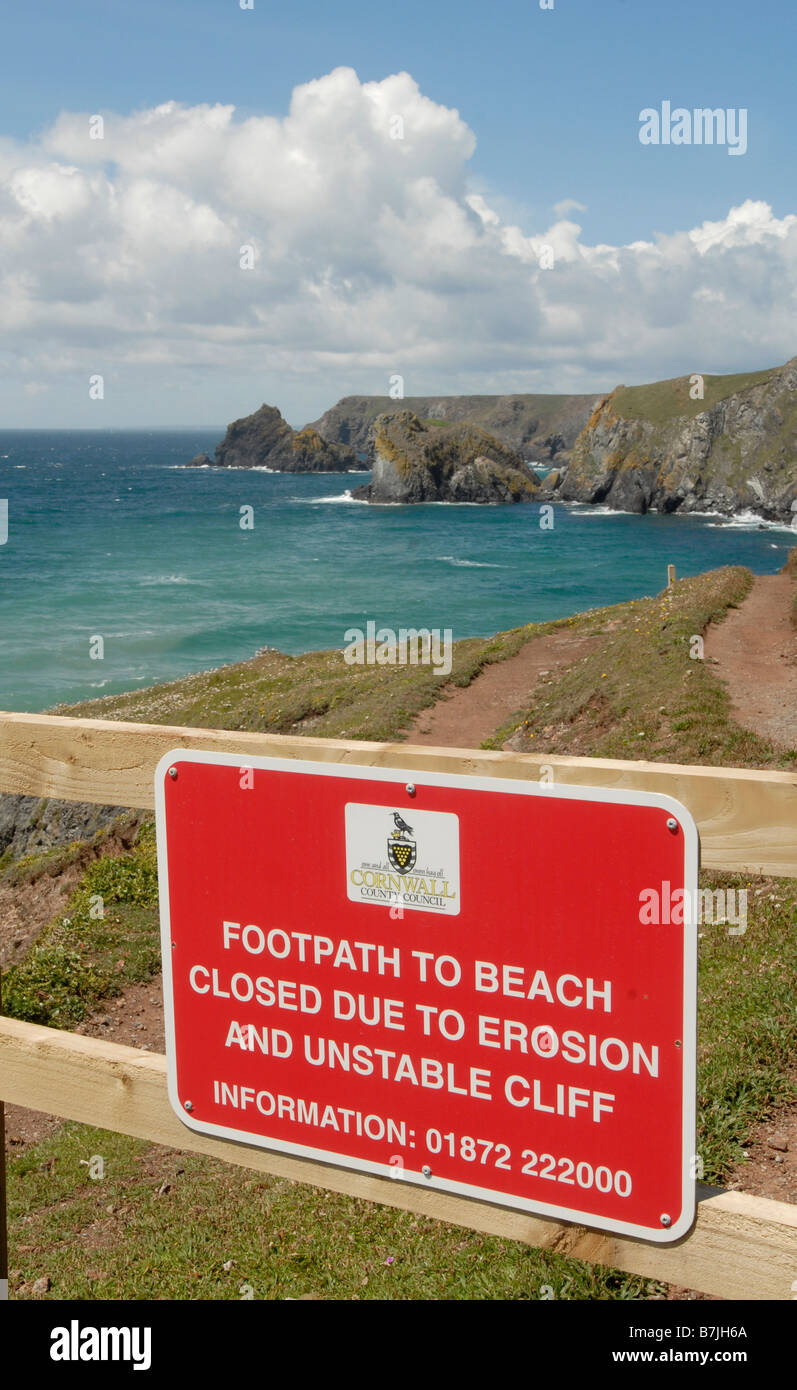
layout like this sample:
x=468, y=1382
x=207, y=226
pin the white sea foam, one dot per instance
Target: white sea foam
x=596, y=509
x=152, y=581
x=336, y=497
x=747, y=521
x=225, y=467
x=466, y=564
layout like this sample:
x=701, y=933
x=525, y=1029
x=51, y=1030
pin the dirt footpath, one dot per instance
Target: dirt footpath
x=755, y=650
x=465, y=718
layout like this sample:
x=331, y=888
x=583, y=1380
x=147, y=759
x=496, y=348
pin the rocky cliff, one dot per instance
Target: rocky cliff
x=417, y=462
x=265, y=440
x=654, y=447
x=538, y=427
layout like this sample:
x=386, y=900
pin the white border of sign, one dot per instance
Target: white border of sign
x=509, y=786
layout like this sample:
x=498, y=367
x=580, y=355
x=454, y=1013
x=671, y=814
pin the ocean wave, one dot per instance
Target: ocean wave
x=746, y=521
x=224, y=467
x=336, y=497
x=596, y=509
x=466, y=564
x=153, y=581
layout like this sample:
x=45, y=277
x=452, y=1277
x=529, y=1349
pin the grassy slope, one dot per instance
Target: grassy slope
x=317, y=693
x=661, y=401
x=641, y=694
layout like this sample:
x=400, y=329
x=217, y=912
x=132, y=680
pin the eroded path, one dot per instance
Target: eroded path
x=465, y=718
x=755, y=650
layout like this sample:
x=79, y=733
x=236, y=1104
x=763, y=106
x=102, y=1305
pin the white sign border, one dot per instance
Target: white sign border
x=512, y=786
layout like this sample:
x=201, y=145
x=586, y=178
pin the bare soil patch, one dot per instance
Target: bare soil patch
x=28, y=906
x=754, y=652
x=771, y=1167
x=464, y=718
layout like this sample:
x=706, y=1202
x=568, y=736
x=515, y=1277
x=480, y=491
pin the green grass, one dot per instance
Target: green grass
x=317, y=693
x=662, y=401
x=82, y=957
x=640, y=694
x=163, y=1224
x=747, y=1033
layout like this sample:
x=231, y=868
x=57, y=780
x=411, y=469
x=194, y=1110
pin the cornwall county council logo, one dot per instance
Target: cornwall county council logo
x=391, y=862
x=401, y=851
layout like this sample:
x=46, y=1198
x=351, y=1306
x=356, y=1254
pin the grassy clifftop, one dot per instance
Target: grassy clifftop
x=661, y=401
x=733, y=450
x=638, y=694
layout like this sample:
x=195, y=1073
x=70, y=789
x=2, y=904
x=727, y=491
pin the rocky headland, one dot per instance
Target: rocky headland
x=539, y=428
x=414, y=461
x=725, y=444
x=656, y=448
x=265, y=440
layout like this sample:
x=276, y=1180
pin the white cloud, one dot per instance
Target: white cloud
x=568, y=205
x=371, y=254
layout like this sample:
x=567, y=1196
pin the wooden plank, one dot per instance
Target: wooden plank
x=741, y=1247
x=747, y=818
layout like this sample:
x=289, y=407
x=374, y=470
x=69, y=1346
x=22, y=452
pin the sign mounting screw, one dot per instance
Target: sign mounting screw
x=189, y=1105
x=426, y=1170
x=173, y=773
x=665, y=1219
x=672, y=825
x=410, y=789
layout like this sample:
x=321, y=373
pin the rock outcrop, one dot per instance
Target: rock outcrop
x=32, y=825
x=414, y=462
x=265, y=440
x=538, y=427
x=653, y=447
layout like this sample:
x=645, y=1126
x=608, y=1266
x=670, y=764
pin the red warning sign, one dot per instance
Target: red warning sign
x=456, y=982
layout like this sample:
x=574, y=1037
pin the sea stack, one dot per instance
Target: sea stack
x=413, y=461
x=265, y=440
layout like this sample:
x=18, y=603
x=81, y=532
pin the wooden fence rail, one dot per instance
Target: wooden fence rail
x=747, y=819
x=741, y=1247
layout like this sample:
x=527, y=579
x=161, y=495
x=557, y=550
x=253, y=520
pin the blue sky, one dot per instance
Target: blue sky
x=552, y=98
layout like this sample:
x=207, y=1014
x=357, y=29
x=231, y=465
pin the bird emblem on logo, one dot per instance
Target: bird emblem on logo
x=401, y=851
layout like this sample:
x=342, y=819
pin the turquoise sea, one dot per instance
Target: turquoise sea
x=108, y=538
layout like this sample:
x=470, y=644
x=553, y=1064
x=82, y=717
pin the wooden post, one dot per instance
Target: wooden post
x=670, y=576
